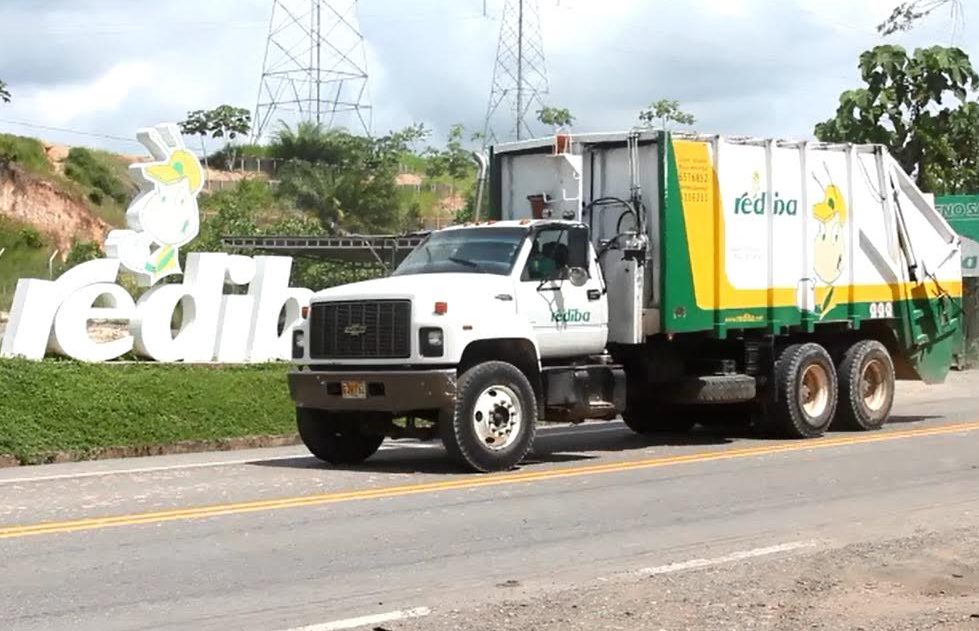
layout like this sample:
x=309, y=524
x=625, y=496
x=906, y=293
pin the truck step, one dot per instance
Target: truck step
x=601, y=405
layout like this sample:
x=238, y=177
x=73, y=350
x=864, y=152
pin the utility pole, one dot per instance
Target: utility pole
x=520, y=73
x=315, y=67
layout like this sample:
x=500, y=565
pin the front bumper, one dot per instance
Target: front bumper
x=394, y=391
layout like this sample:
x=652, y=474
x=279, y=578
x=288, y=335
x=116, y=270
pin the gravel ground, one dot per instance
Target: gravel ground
x=928, y=581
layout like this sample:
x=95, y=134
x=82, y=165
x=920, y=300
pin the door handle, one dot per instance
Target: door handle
x=594, y=294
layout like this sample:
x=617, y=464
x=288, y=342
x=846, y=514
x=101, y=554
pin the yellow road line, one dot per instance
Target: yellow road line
x=469, y=482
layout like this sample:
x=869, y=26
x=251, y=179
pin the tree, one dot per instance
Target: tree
x=196, y=125
x=4, y=93
x=231, y=122
x=904, y=15
x=222, y=121
x=918, y=107
x=347, y=181
x=454, y=161
x=557, y=117
x=666, y=112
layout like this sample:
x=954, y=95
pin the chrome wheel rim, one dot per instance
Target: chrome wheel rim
x=814, y=393
x=497, y=417
x=873, y=385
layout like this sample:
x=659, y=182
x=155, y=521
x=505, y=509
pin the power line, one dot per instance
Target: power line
x=76, y=132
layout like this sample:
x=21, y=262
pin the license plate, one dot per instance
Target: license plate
x=353, y=389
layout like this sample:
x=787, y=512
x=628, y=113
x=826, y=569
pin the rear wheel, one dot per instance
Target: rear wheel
x=493, y=424
x=805, y=396
x=335, y=438
x=866, y=384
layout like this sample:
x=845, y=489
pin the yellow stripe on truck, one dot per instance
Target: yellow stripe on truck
x=704, y=222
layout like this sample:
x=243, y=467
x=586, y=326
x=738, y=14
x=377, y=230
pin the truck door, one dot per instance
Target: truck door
x=568, y=320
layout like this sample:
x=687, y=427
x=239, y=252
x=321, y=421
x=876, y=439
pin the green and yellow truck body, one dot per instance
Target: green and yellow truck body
x=745, y=237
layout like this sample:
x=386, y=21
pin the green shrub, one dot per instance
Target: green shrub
x=59, y=405
x=221, y=157
x=30, y=237
x=84, y=167
x=82, y=252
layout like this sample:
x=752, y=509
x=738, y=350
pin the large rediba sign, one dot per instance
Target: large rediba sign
x=253, y=324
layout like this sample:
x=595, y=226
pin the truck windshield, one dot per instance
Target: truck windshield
x=466, y=251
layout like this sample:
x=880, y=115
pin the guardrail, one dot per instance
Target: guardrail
x=387, y=250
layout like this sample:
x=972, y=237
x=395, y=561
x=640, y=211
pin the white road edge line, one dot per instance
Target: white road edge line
x=694, y=564
x=366, y=621
x=192, y=465
x=176, y=467
x=389, y=446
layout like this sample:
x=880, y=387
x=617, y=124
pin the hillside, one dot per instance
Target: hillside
x=67, y=195
x=57, y=203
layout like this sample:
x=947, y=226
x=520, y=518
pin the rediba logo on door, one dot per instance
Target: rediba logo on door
x=571, y=315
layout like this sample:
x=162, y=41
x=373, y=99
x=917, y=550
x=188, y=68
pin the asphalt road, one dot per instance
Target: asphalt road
x=269, y=540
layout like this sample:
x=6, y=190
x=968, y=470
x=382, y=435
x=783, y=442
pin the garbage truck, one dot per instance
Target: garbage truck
x=673, y=280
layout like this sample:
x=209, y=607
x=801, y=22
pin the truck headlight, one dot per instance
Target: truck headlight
x=298, y=344
x=431, y=342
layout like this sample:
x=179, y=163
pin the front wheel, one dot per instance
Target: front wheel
x=335, y=438
x=494, y=421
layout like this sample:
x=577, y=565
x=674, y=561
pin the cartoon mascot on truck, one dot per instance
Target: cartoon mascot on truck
x=816, y=295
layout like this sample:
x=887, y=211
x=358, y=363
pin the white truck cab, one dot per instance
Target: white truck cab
x=522, y=298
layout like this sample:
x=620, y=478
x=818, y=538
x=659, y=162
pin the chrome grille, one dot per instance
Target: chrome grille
x=363, y=329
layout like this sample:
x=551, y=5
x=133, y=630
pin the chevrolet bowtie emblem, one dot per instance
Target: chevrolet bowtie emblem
x=355, y=330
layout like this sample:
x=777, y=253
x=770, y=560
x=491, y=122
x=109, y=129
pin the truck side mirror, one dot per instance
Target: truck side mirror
x=578, y=276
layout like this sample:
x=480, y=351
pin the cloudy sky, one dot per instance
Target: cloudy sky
x=762, y=67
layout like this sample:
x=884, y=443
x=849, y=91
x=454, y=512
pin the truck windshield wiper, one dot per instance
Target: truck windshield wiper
x=465, y=262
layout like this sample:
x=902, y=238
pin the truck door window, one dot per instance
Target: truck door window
x=554, y=250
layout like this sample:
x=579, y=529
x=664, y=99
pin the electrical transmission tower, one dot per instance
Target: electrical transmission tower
x=520, y=75
x=315, y=67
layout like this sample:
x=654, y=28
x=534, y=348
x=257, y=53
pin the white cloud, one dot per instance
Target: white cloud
x=62, y=105
x=723, y=7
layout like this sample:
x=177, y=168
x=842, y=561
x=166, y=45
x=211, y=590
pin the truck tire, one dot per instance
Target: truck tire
x=716, y=389
x=645, y=414
x=805, y=395
x=866, y=384
x=334, y=438
x=494, y=421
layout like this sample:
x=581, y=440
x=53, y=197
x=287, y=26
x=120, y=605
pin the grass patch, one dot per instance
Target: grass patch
x=59, y=405
x=25, y=256
x=27, y=152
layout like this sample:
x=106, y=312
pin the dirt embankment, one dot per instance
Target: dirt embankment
x=58, y=215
